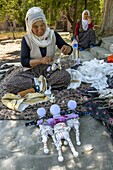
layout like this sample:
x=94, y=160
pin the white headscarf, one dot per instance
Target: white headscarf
x=85, y=22
x=34, y=14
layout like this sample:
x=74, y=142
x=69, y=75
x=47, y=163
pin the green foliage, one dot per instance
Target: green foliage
x=93, y=6
x=53, y=9
x=101, y=5
x=9, y=9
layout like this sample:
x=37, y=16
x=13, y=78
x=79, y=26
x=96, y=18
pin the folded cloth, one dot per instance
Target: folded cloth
x=14, y=102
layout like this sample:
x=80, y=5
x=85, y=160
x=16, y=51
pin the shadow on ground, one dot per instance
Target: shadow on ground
x=14, y=53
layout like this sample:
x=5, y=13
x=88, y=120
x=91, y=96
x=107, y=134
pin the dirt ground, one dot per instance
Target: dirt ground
x=10, y=51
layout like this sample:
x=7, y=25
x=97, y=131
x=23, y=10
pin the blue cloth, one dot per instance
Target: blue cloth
x=81, y=49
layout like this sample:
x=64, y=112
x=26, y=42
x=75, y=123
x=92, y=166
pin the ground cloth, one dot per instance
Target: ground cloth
x=87, y=102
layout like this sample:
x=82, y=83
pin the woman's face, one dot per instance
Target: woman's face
x=39, y=28
x=85, y=15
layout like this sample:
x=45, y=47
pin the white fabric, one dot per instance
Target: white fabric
x=107, y=93
x=85, y=22
x=76, y=78
x=94, y=72
x=34, y=14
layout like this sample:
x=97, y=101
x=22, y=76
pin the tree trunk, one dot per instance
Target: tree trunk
x=107, y=21
x=12, y=30
x=85, y=4
x=72, y=19
x=75, y=16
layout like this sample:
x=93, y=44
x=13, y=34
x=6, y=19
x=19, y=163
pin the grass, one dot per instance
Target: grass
x=9, y=35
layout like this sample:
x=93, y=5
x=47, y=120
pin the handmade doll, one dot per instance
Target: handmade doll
x=55, y=66
x=61, y=131
x=73, y=122
x=45, y=128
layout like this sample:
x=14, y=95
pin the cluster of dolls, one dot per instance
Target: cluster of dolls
x=58, y=127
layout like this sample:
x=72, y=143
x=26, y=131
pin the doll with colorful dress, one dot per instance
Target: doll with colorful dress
x=45, y=128
x=73, y=122
x=61, y=131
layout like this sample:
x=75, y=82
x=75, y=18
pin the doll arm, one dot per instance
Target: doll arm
x=71, y=116
x=39, y=122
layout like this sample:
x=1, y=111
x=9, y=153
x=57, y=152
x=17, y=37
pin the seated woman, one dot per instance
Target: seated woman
x=37, y=53
x=84, y=32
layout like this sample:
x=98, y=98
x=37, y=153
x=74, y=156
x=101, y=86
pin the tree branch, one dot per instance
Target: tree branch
x=68, y=15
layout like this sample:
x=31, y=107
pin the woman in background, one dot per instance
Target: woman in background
x=84, y=32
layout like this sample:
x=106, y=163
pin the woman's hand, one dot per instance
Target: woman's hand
x=77, y=38
x=66, y=49
x=89, y=20
x=43, y=60
x=46, y=60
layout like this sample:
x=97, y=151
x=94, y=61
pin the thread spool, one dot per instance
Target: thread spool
x=24, y=92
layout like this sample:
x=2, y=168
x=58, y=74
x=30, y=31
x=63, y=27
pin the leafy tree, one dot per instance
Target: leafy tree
x=73, y=10
x=9, y=9
x=9, y=12
x=53, y=9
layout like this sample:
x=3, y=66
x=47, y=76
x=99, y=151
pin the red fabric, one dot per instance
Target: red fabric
x=78, y=26
x=110, y=59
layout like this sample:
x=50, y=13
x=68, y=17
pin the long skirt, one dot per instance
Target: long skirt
x=87, y=38
x=19, y=80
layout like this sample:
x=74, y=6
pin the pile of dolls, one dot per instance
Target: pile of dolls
x=58, y=126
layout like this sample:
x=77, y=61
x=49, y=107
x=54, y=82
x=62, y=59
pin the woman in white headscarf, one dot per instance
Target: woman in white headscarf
x=84, y=32
x=37, y=53
x=40, y=40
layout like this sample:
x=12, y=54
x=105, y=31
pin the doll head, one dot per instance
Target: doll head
x=55, y=110
x=72, y=104
x=41, y=112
